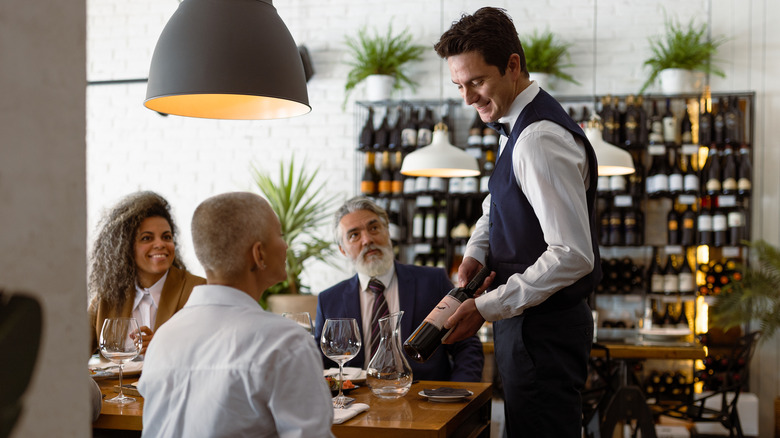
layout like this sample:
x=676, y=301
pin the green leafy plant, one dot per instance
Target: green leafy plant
x=381, y=55
x=302, y=207
x=686, y=47
x=756, y=297
x=544, y=54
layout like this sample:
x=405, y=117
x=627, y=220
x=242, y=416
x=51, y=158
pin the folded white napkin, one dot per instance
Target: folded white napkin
x=342, y=415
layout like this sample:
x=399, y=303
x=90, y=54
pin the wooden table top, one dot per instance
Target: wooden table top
x=413, y=413
x=113, y=416
x=418, y=417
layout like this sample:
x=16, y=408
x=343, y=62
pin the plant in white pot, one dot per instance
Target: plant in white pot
x=380, y=60
x=546, y=57
x=681, y=51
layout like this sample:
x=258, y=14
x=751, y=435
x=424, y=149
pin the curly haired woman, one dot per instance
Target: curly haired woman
x=134, y=269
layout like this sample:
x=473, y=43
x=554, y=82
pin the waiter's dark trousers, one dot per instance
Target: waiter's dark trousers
x=543, y=363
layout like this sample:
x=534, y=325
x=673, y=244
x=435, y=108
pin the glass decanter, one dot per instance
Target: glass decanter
x=389, y=374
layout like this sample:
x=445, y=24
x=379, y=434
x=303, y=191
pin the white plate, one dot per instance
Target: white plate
x=444, y=398
x=356, y=375
x=107, y=369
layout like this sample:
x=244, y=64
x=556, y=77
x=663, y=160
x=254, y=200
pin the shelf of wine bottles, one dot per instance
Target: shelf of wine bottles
x=431, y=218
x=665, y=386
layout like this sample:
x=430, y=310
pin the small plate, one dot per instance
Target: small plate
x=345, y=390
x=444, y=398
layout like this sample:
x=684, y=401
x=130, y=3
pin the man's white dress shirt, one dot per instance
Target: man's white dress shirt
x=224, y=367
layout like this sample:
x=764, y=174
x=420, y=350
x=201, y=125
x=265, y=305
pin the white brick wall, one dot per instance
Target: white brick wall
x=187, y=160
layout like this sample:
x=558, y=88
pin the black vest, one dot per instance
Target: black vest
x=516, y=238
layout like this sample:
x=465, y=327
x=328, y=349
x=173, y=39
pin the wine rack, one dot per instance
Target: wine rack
x=431, y=219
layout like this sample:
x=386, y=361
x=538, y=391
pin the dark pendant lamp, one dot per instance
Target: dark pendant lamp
x=227, y=59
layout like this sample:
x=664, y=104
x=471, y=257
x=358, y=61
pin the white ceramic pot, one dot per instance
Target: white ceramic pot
x=379, y=87
x=545, y=80
x=677, y=81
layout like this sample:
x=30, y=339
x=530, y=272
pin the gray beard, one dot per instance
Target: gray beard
x=377, y=265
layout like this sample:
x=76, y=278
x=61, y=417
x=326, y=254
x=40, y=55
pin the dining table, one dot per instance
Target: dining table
x=412, y=415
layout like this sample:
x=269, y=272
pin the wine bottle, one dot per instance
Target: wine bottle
x=657, y=180
x=704, y=223
x=382, y=134
x=656, y=275
x=394, y=226
x=370, y=179
x=690, y=177
x=719, y=228
x=631, y=228
x=409, y=132
x=687, y=280
x=671, y=277
x=604, y=227
x=366, y=139
x=418, y=225
x=728, y=183
x=632, y=125
x=636, y=180
x=489, y=139
x=669, y=125
x=425, y=129
x=673, y=227
x=424, y=341
x=705, y=119
x=736, y=226
x=385, y=187
x=719, y=122
x=676, y=181
x=686, y=129
x=688, y=222
x=611, y=119
x=487, y=170
x=475, y=132
x=429, y=228
x=745, y=172
x=733, y=122
x=395, y=139
x=712, y=177
x=442, y=226
x=616, y=227
x=399, y=179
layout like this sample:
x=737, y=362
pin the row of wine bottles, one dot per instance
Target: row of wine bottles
x=666, y=385
x=718, y=274
x=673, y=314
x=633, y=124
x=675, y=276
x=621, y=276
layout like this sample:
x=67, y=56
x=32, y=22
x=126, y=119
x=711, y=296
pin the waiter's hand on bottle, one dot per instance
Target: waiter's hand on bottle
x=467, y=320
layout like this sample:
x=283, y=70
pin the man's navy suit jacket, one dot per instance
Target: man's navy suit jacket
x=419, y=290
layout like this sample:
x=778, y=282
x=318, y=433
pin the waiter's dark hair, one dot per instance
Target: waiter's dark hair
x=490, y=31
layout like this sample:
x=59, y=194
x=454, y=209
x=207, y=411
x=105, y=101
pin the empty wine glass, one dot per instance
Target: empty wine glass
x=119, y=343
x=340, y=342
x=302, y=318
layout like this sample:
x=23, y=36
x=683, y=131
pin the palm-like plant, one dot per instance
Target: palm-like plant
x=301, y=208
x=544, y=54
x=686, y=47
x=381, y=55
x=756, y=297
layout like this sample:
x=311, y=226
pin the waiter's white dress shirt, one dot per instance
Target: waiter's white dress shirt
x=224, y=367
x=550, y=166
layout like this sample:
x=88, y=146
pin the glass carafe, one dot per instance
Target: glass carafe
x=389, y=374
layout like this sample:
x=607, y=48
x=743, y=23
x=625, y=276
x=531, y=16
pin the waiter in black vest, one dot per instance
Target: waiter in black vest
x=537, y=231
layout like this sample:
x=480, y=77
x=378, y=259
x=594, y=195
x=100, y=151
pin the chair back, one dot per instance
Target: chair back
x=21, y=324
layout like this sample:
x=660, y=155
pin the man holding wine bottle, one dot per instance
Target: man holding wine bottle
x=537, y=231
x=362, y=235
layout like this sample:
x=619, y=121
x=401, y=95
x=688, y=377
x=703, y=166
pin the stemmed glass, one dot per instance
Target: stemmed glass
x=340, y=342
x=119, y=343
x=302, y=318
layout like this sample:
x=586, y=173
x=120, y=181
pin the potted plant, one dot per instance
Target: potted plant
x=381, y=59
x=301, y=208
x=545, y=58
x=753, y=297
x=681, y=51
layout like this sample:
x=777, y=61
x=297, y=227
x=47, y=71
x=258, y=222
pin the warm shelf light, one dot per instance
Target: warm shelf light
x=227, y=59
x=440, y=159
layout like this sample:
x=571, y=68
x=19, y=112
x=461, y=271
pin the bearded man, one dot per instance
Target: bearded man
x=383, y=286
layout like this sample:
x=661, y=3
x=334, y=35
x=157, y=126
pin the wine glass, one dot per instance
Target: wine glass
x=340, y=342
x=302, y=318
x=119, y=343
